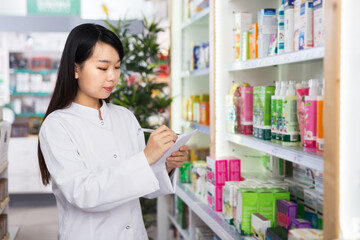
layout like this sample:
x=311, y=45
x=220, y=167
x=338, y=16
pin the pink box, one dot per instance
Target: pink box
x=217, y=171
x=214, y=196
x=246, y=111
x=234, y=166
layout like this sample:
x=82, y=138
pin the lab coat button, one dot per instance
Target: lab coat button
x=102, y=122
x=115, y=156
x=127, y=227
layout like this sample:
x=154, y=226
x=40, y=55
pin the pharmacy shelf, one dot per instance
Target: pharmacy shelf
x=201, y=18
x=3, y=204
x=214, y=220
x=30, y=114
x=286, y=58
x=196, y=73
x=183, y=232
x=31, y=71
x=39, y=94
x=13, y=231
x=3, y=166
x=201, y=128
x=293, y=154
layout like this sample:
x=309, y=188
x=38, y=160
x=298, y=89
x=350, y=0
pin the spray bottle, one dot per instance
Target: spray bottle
x=274, y=99
x=319, y=125
x=279, y=108
x=290, y=135
x=311, y=115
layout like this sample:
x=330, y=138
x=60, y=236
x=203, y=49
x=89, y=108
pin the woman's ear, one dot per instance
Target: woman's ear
x=77, y=67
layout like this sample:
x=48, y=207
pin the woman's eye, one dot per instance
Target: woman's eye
x=117, y=67
x=103, y=69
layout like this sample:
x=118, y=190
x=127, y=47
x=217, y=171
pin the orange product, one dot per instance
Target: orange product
x=253, y=41
x=204, y=113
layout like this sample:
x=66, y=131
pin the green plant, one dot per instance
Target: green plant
x=138, y=90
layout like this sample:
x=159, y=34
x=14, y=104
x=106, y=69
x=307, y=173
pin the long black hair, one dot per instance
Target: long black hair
x=78, y=48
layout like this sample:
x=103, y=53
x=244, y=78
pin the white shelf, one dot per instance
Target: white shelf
x=294, y=154
x=13, y=231
x=196, y=73
x=183, y=232
x=214, y=220
x=201, y=18
x=201, y=128
x=3, y=166
x=286, y=58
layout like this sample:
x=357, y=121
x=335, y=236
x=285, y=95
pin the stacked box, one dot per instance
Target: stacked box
x=217, y=170
x=214, y=196
x=198, y=178
x=253, y=41
x=319, y=27
x=259, y=224
x=306, y=25
x=242, y=23
x=300, y=223
x=234, y=166
x=230, y=201
x=267, y=24
x=246, y=205
x=286, y=212
x=310, y=206
x=303, y=233
x=185, y=173
x=289, y=25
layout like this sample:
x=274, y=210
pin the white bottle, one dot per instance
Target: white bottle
x=290, y=134
x=274, y=100
x=311, y=115
x=279, y=115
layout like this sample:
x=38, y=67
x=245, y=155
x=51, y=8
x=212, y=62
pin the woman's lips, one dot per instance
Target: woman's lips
x=109, y=89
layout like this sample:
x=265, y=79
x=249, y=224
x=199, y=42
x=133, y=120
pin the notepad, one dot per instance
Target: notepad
x=180, y=141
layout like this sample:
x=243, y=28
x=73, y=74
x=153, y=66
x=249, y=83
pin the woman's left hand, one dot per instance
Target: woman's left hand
x=177, y=158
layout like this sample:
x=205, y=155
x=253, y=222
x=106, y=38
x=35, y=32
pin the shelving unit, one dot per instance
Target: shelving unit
x=195, y=73
x=200, y=19
x=281, y=59
x=293, y=154
x=212, y=219
x=183, y=232
x=201, y=128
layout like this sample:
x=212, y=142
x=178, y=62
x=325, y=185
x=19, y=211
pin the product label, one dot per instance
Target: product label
x=279, y=108
x=310, y=123
x=290, y=124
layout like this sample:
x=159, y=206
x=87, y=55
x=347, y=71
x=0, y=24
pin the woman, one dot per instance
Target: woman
x=93, y=151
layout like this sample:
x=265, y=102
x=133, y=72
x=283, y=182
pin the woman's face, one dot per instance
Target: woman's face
x=98, y=75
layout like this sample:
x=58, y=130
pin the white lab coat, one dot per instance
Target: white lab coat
x=99, y=171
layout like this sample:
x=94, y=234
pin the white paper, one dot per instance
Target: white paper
x=181, y=141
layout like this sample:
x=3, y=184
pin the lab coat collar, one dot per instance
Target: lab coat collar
x=88, y=112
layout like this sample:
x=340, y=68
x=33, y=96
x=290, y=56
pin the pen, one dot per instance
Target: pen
x=148, y=130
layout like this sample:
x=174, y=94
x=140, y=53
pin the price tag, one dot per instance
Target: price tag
x=298, y=159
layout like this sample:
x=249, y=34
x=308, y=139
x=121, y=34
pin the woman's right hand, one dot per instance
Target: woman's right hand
x=159, y=142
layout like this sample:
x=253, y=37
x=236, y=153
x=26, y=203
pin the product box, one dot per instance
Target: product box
x=274, y=166
x=297, y=23
x=300, y=223
x=242, y=22
x=245, y=51
x=319, y=27
x=232, y=105
x=319, y=181
x=320, y=207
x=214, y=196
x=256, y=112
x=204, y=113
x=276, y=233
x=198, y=178
x=253, y=41
x=279, y=194
x=303, y=174
x=286, y=212
x=292, y=189
x=310, y=206
x=300, y=197
x=246, y=205
x=217, y=171
x=245, y=122
x=185, y=172
x=265, y=93
x=305, y=233
x=182, y=213
x=267, y=26
x=234, y=166
x=259, y=224
x=266, y=205
x=306, y=39
x=230, y=201
x=289, y=25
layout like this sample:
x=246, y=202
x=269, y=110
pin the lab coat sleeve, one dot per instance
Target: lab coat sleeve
x=167, y=183
x=84, y=188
